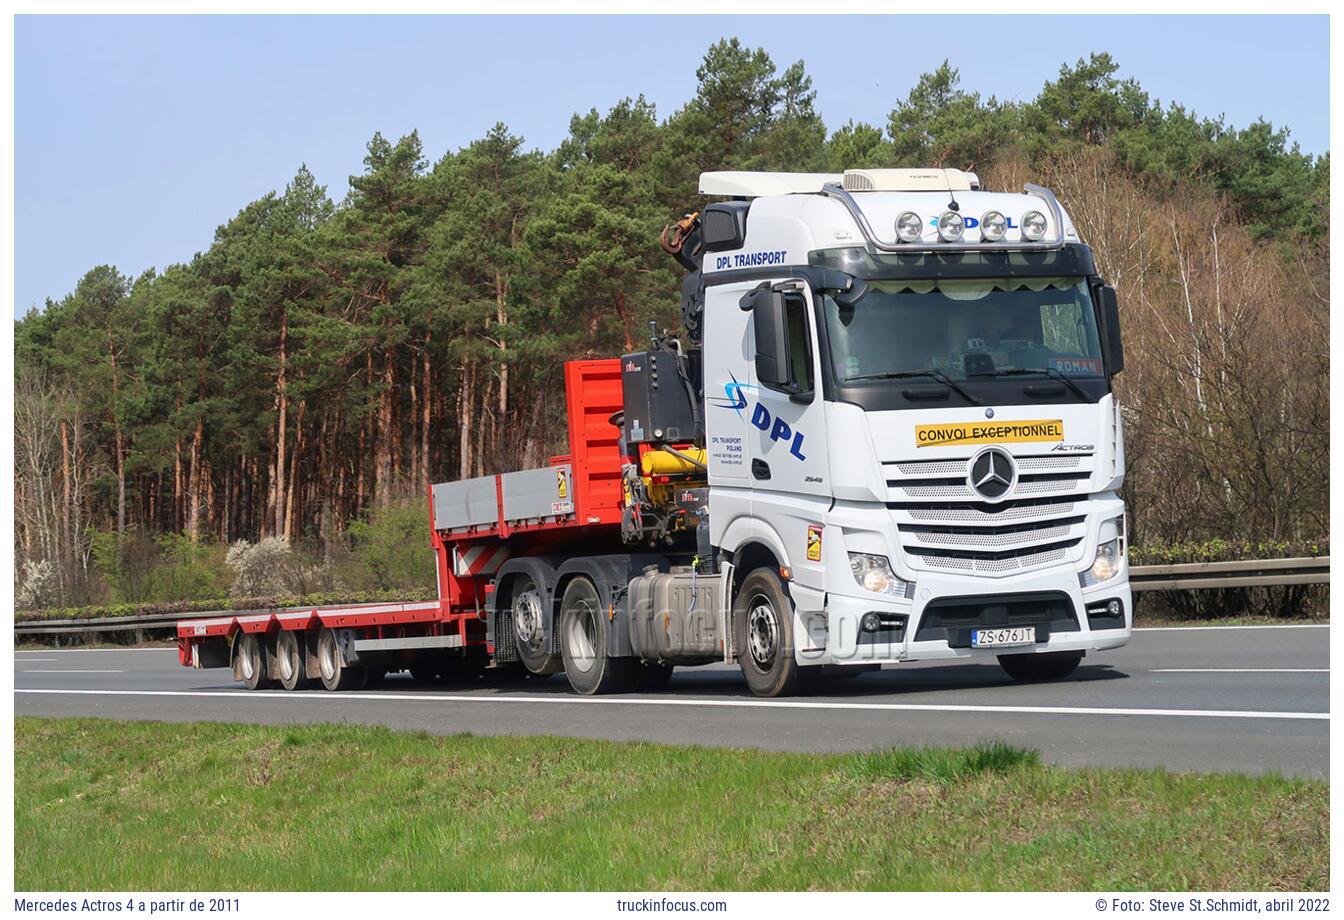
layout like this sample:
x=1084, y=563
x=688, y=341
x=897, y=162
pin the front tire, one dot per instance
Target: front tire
x=584, y=635
x=1046, y=666
x=763, y=634
x=336, y=674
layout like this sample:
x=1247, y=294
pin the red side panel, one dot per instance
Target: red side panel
x=593, y=394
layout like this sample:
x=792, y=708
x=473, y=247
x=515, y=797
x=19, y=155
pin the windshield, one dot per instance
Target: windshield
x=966, y=329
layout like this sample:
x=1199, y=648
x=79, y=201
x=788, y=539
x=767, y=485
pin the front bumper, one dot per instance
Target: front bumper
x=926, y=627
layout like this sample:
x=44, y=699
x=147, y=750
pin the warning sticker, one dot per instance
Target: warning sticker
x=989, y=432
x=814, y=542
x=561, y=484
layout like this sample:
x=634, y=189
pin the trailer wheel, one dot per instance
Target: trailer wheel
x=1047, y=666
x=252, y=661
x=289, y=655
x=336, y=675
x=583, y=643
x=528, y=612
x=763, y=634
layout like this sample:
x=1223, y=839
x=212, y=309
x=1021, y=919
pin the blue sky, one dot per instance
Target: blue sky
x=135, y=136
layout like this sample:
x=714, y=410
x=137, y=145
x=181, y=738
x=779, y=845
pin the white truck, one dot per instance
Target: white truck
x=887, y=434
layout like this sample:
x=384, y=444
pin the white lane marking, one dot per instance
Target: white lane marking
x=1240, y=670
x=689, y=702
x=72, y=671
x=1253, y=626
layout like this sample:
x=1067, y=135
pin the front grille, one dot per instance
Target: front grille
x=993, y=538
x=923, y=468
x=996, y=564
x=945, y=525
x=1027, y=484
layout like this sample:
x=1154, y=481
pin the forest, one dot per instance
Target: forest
x=332, y=352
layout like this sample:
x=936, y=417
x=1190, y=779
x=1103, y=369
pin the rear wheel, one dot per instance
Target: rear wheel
x=531, y=629
x=1047, y=666
x=289, y=658
x=763, y=634
x=336, y=675
x=252, y=661
x=584, y=642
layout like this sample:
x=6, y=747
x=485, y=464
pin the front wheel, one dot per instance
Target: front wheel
x=1046, y=666
x=763, y=634
x=584, y=642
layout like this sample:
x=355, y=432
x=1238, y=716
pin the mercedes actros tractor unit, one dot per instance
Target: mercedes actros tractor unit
x=886, y=433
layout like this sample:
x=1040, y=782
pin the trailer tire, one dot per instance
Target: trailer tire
x=585, y=640
x=289, y=654
x=336, y=675
x=252, y=661
x=1040, y=667
x=531, y=629
x=763, y=634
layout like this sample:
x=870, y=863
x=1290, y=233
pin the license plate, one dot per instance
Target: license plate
x=998, y=638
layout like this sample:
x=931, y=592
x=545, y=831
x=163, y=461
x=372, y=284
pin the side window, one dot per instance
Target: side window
x=800, y=350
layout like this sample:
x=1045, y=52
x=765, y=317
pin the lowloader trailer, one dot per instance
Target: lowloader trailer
x=886, y=434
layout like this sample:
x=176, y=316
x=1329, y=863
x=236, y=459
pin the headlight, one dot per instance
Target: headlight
x=909, y=227
x=873, y=573
x=993, y=226
x=1033, y=226
x=950, y=226
x=1110, y=555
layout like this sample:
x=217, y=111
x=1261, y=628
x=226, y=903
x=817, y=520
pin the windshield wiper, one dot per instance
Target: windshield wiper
x=927, y=372
x=1048, y=371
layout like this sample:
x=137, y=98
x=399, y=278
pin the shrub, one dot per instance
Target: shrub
x=1275, y=601
x=271, y=567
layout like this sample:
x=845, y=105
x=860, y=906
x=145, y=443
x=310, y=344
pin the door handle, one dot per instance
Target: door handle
x=760, y=469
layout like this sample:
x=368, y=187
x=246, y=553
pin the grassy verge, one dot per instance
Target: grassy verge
x=107, y=805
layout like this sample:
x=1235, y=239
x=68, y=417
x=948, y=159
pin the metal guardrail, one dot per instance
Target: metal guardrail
x=1252, y=573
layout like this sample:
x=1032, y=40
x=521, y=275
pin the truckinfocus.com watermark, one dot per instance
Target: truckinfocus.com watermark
x=657, y=905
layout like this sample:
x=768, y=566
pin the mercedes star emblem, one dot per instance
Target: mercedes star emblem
x=992, y=474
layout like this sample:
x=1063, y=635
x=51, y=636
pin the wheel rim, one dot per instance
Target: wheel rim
x=762, y=632
x=286, y=656
x=581, y=634
x=327, y=659
x=528, y=623
x=245, y=658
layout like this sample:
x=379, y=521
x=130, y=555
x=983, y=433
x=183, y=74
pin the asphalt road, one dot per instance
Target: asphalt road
x=1240, y=699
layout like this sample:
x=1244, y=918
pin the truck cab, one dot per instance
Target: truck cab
x=909, y=423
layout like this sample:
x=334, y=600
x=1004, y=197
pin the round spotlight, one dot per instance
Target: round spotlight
x=871, y=622
x=993, y=226
x=909, y=227
x=1114, y=608
x=951, y=226
x=1033, y=226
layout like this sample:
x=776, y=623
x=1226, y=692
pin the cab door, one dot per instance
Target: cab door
x=786, y=437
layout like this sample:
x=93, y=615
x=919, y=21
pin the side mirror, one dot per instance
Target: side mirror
x=1110, y=330
x=772, y=339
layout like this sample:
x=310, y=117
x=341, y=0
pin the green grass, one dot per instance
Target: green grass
x=108, y=805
